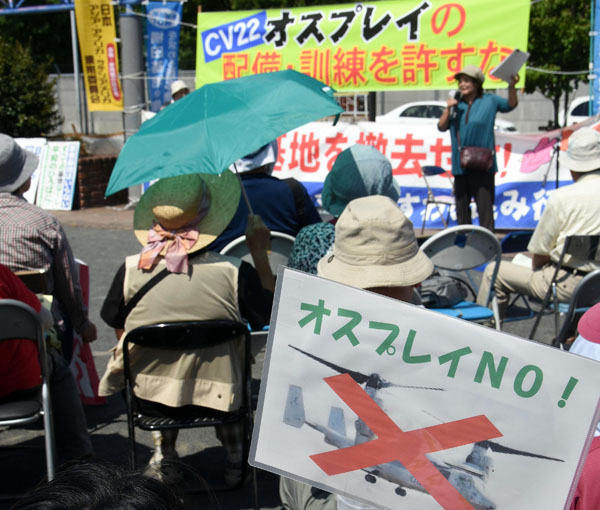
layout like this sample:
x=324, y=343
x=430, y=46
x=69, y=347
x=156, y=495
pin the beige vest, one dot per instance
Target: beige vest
x=209, y=377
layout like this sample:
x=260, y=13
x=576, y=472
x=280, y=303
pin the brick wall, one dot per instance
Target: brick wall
x=93, y=173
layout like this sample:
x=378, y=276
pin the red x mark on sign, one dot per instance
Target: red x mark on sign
x=407, y=447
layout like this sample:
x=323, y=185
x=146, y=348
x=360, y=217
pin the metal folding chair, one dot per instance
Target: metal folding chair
x=582, y=247
x=437, y=200
x=186, y=336
x=516, y=242
x=585, y=295
x=281, y=246
x=462, y=248
x=21, y=322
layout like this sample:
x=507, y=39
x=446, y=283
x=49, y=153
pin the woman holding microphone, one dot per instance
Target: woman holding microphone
x=471, y=115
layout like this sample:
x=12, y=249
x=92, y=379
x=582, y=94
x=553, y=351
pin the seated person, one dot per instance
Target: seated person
x=283, y=204
x=571, y=210
x=33, y=239
x=175, y=220
x=358, y=171
x=587, y=495
x=376, y=249
x=20, y=376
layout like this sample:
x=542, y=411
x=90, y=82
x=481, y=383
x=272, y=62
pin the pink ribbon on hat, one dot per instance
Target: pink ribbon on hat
x=178, y=242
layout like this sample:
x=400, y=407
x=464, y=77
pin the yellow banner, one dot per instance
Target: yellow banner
x=99, y=57
x=388, y=45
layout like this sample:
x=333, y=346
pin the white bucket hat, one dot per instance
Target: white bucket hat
x=16, y=164
x=583, y=151
x=177, y=86
x=375, y=246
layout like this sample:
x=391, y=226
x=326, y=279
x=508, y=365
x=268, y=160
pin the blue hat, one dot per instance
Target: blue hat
x=359, y=171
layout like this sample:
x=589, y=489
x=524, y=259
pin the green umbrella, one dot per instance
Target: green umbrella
x=209, y=129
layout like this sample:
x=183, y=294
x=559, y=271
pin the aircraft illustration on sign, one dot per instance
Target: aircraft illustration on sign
x=468, y=478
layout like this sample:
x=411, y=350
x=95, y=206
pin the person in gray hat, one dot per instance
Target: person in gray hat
x=33, y=239
x=572, y=209
x=470, y=116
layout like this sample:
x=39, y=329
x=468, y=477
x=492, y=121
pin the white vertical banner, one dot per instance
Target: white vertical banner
x=58, y=176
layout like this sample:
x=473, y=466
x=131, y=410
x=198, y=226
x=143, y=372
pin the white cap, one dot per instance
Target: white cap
x=178, y=85
x=583, y=151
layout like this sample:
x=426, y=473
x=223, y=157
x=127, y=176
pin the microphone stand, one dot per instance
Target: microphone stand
x=554, y=158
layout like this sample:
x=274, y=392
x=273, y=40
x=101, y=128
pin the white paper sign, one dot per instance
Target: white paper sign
x=58, y=173
x=510, y=66
x=461, y=416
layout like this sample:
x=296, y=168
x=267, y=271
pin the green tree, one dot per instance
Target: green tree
x=558, y=41
x=47, y=35
x=28, y=101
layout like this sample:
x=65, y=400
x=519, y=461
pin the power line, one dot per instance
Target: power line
x=547, y=71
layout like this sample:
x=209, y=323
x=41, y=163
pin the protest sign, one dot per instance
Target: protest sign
x=82, y=360
x=375, y=399
x=58, y=176
x=98, y=45
x=525, y=161
x=387, y=45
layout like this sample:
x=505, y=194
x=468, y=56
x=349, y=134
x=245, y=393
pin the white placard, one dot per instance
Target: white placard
x=480, y=418
x=510, y=66
x=58, y=173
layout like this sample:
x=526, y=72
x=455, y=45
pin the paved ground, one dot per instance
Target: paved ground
x=102, y=237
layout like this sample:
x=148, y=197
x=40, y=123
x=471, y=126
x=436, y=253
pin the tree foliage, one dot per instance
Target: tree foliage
x=28, y=101
x=558, y=41
x=47, y=35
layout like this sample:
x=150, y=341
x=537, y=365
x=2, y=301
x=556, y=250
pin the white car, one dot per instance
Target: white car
x=579, y=110
x=428, y=112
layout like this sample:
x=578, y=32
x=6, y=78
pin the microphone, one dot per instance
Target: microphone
x=453, y=110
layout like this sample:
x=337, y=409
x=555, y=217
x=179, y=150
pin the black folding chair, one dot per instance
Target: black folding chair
x=185, y=336
x=585, y=295
x=20, y=321
x=582, y=247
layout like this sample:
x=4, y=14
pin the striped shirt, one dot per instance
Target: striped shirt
x=32, y=239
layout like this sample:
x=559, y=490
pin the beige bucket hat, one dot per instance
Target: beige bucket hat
x=176, y=201
x=472, y=72
x=375, y=246
x=583, y=151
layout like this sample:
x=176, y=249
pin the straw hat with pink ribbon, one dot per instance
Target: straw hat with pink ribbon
x=181, y=215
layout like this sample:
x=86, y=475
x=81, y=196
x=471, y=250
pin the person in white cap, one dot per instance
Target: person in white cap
x=375, y=248
x=471, y=118
x=587, y=344
x=179, y=89
x=33, y=239
x=570, y=210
